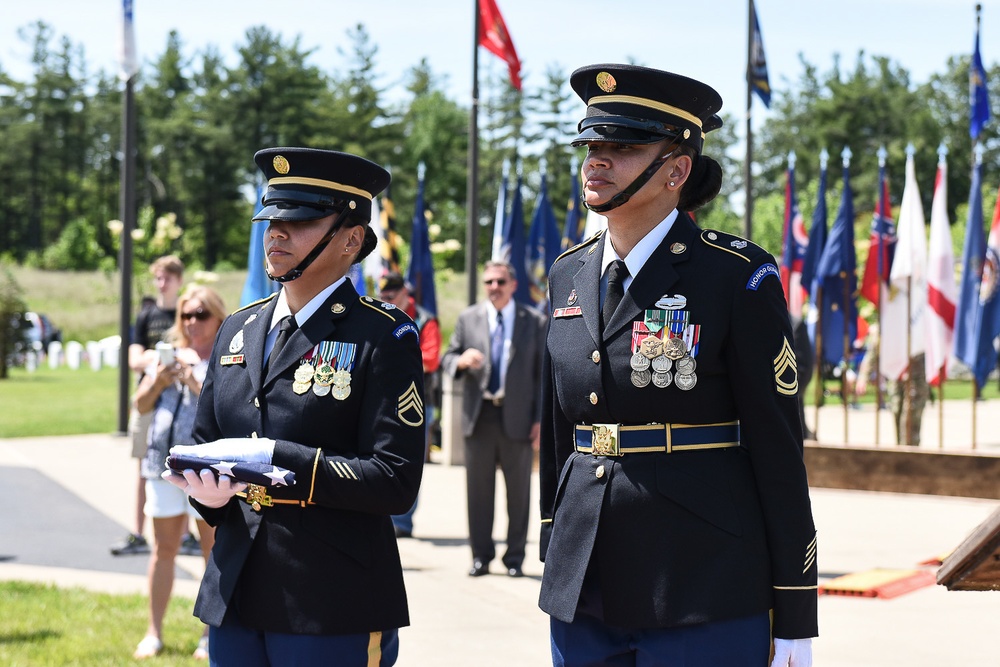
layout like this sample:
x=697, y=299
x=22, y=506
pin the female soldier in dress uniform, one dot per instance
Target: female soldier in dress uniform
x=677, y=529
x=329, y=386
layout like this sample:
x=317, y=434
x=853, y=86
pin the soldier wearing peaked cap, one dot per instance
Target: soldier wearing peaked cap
x=329, y=385
x=676, y=518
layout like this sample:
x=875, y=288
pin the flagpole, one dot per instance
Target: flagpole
x=882, y=155
x=472, y=182
x=747, y=171
x=820, y=384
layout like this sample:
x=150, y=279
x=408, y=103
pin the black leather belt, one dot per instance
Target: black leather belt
x=619, y=439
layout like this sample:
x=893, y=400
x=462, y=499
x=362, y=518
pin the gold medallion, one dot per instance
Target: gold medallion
x=304, y=373
x=341, y=378
x=323, y=374
x=300, y=387
x=606, y=82
x=280, y=164
x=651, y=347
x=321, y=389
x=340, y=393
x=674, y=348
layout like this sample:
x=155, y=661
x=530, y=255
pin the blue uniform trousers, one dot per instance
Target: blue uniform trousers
x=588, y=642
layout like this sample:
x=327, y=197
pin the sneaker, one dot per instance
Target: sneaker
x=190, y=546
x=131, y=545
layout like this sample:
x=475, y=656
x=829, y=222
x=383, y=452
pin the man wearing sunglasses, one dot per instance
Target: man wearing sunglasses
x=497, y=348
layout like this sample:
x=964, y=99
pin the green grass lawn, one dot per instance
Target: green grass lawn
x=58, y=402
x=44, y=625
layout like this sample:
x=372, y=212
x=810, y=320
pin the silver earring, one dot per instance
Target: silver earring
x=671, y=184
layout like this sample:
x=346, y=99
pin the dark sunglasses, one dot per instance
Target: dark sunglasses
x=499, y=281
x=201, y=314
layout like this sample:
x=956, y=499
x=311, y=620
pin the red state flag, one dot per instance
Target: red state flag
x=494, y=36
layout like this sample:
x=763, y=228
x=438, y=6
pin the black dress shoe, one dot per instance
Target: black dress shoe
x=479, y=568
x=515, y=572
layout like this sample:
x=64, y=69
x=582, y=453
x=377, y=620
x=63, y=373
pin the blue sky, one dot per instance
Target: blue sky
x=701, y=40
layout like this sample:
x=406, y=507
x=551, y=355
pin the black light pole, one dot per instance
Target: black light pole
x=472, y=183
x=128, y=215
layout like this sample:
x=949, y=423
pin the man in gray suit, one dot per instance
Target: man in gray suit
x=497, y=347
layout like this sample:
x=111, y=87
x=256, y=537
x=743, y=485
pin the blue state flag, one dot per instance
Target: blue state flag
x=979, y=99
x=968, y=312
x=989, y=303
x=544, y=244
x=758, y=62
x=817, y=236
x=513, y=249
x=257, y=285
x=576, y=220
x=420, y=273
x=836, y=274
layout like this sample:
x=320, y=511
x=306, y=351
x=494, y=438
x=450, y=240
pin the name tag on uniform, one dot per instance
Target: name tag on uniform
x=231, y=359
x=567, y=312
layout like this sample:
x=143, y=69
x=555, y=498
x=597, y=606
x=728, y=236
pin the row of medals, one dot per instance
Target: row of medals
x=322, y=379
x=655, y=359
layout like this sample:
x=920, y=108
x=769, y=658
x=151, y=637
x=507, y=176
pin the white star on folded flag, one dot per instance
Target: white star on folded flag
x=225, y=468
x=277, y=476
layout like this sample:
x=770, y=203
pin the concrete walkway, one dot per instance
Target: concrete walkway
x=60, y=516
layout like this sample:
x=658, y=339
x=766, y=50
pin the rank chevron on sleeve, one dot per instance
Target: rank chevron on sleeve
x=410, y=407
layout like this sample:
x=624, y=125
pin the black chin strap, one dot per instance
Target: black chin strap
x=635, y=185
x=314, y=253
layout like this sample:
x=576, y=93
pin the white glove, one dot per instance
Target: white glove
x=792, y=653
x=206, y=488
x=253, y=450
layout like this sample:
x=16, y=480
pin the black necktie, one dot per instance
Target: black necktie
x=287, y=328
x=496, y=355
x=617, y=273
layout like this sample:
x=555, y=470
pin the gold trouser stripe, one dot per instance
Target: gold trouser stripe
x=374, y=648
x=795, y=588
x=319, y=182
x=643, y=102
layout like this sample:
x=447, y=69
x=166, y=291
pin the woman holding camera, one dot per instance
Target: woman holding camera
x=171, y=394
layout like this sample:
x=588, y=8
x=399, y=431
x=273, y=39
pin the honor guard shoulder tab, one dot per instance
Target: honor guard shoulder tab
x=258, y=302
x=581, y=244
x=746, y=250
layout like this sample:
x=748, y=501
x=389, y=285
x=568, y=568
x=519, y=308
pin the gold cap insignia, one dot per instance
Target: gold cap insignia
x=352, y=204
x=606, y=82
x=280, y=164
x=687, y=133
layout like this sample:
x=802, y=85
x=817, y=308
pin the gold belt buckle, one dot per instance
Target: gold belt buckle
x=604, y=440
x=257, y=497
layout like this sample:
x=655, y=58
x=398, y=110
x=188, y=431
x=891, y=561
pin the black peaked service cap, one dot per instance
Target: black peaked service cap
x=629, y=104
x=308, y=183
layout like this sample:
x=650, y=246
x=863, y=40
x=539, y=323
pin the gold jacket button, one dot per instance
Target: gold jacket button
x=593, y=398
x=595, y=356
x=600, y=472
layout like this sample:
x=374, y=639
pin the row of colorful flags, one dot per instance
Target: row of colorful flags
x=909, y=276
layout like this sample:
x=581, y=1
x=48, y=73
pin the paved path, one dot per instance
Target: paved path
x=58, y=522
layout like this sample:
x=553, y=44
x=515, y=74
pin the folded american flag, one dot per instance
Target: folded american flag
x=263, y=474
